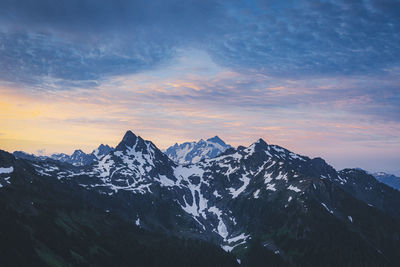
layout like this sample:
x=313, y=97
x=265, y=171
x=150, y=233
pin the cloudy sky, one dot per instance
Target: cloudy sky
x=321, y=78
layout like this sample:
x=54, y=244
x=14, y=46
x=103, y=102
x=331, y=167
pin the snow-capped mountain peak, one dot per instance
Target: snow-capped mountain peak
x=129, y=140
x=232, y=197
x=101, y=151
x=216, y=140
x=78, y=158
x=132, y=144
x=60, y=157
x=192, y=152
x=78, y=153
x=260, y=144
x=133, y=165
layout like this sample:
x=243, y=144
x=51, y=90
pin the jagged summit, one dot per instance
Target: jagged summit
x=78, y=152
x=259, y=191
x=192, y=152
x=129, y=138
x=103, y=147
x=389, y=179
x=261, y=144
x=129, y=135
x=77, y=158
x=217, y=140
x=133, y=143
x=102, y=150
x=261, y=141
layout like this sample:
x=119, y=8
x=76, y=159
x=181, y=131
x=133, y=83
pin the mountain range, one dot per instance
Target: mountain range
x=185, y=153
x=78, y=158
x=389, y=179
x=262, y=204
x=193, y=152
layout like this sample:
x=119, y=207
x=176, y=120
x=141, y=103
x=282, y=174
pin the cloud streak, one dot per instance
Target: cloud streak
x=313, y=38
x=316, y=76
x=80, y=43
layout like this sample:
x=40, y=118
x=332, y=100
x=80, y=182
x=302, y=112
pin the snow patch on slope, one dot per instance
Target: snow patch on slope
x=236, y=192
x=6, y=170
x=222, y=231
x=293, y=188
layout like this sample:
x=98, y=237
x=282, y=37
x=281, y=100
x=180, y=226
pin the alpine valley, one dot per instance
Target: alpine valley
x=198, y=204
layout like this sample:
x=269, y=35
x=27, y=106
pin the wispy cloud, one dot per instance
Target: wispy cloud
x=81, y=43
x=316, y=76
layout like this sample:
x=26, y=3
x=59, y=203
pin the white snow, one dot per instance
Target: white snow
x=39, y=169
x=278, y=149
x=235, y=192
x=229, y=247
x=236, y=156
x=118, y=153
x=249, y=150
x=271, y=187
x=267, y=178
x=295, y=156
x=182, y=173
x=182, y=153
x=104, y=166
x=193, y=152
x=242, y=236
x=289, y=199
x=323, y=204
x=350, y=218
x=196, y=159
x=281, y=176
x=343, y=180
x=256, y=193
x=215, y=193
x=222, y=231
x=293, y=188
x=137, y=222
x=230, y=169
x=164, y=181
x=6, y=170
x=260, y=169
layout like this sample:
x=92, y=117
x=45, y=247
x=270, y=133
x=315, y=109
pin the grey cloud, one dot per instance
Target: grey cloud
x=56, y=44
x=44, y=61
x=62, y=45
x=313, y=38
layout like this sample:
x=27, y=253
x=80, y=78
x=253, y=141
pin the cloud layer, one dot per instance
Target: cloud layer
x=298, y=73
x=46, y=41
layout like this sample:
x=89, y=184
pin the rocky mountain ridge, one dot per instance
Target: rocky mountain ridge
x=193, y=152
x=261, y=192
x=78, y=158
x=388, y=179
